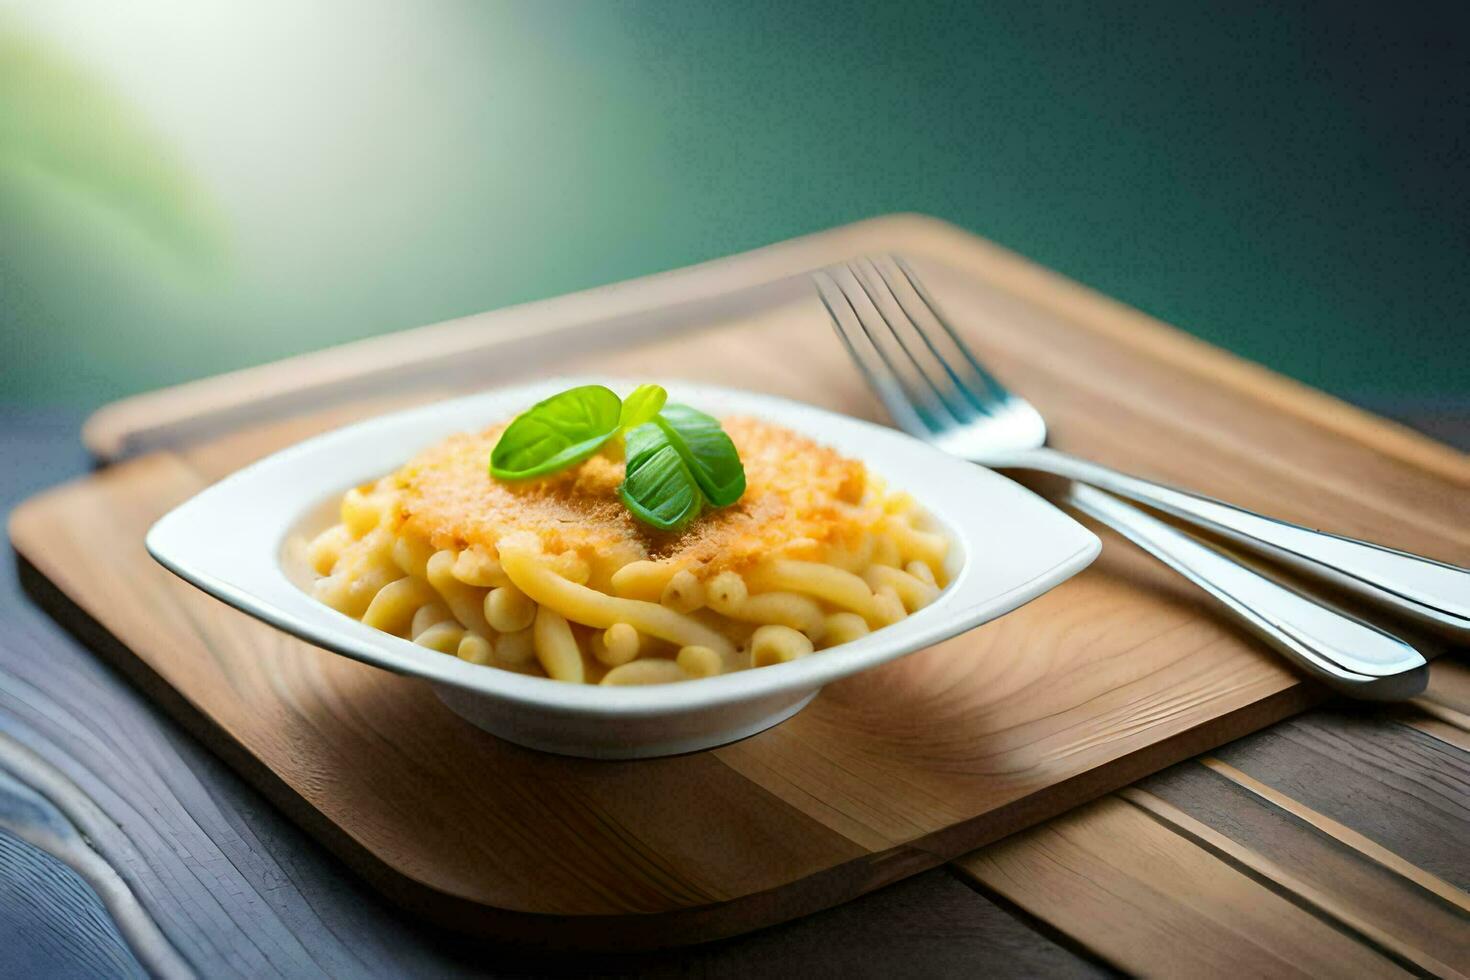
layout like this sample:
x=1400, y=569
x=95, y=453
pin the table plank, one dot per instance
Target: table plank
x=1395, y=785
x=1341, y=823
x=1352, y=815
x=930, y=925
x=51, y=922
x=1151, y=900
x=225, y=875
x=1419, y=920
x=238, y=890
x=1447, y=699
x=1122, y=671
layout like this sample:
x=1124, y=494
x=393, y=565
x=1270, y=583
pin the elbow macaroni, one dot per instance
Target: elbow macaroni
x=632, y=614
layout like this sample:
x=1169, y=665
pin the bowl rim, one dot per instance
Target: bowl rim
x=179, y=541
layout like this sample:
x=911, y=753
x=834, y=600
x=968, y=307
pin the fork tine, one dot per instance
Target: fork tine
x=956, y=397
x=956, y=407
x=881, y=336
x=892, y=391
x=974, y=391
x=993, y=390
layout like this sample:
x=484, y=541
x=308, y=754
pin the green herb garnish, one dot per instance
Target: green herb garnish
x=706, y=450
x=657, y=486
x=642, y=406
x=679, y=460
x=557, y=433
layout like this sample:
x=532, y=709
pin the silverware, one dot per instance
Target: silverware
x=936, y=389
x=966, y=411
x=1349, y=654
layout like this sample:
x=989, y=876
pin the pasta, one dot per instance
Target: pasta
x=553, y=578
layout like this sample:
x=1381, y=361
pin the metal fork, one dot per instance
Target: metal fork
x=935, y=388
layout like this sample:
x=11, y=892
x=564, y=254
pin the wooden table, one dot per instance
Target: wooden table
x=1331, y=844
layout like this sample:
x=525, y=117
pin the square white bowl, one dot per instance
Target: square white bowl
x=230, y=540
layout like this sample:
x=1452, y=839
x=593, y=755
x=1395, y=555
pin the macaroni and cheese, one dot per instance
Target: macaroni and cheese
x=555, y=578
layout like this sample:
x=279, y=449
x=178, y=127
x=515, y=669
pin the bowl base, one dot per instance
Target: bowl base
x=623, y=738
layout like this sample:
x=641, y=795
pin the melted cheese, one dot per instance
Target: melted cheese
x=800, y=497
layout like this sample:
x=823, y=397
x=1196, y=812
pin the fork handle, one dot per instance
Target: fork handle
x=1429, y=592
x=1348, y=654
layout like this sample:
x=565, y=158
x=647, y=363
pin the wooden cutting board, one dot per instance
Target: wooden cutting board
x=1116, y=674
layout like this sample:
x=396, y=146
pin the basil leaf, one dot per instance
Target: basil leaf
x=707, y=451
x=556, y=433
x=642, y=405
x=677, y=461
x=657, y=486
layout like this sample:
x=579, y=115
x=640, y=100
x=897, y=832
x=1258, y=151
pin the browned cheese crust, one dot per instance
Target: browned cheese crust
x=799, y=497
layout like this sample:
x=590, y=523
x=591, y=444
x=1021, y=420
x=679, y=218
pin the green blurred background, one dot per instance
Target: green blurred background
x=188, y=187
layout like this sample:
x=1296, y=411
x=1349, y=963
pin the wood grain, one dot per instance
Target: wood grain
x=51, y=923
x=930, y=925
x=505, y=343
x=223, y=872
x=1160, y=903
x=60, y=903
x=1419, y=787
x=1220, y=846
x=1444, y=709
x=1417, y=919
x=242, y=891
x=1343, y=836
x=1113, y=676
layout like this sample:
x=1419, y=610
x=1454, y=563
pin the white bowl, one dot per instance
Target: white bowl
x=230, y=540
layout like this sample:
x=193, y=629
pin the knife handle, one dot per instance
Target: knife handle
x=1428, y=592
x=1351, y=656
